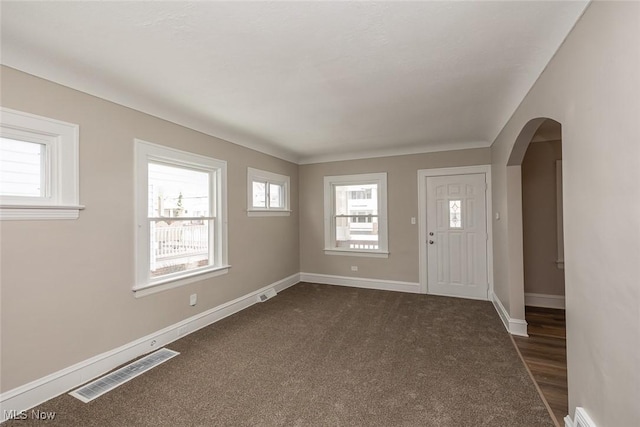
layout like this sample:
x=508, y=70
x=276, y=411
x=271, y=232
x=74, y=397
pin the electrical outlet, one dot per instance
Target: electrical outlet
x=413, y=220
x=354, y=268
x=193, y=299
x=182, y=331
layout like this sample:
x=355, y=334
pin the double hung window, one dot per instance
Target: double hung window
x=181, y=209
x=356, y=215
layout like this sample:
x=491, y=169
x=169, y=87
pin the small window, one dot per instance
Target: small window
x=455, y=213
x=267, y=193
x=181, y=216
x=356, y=215
x=38, y=167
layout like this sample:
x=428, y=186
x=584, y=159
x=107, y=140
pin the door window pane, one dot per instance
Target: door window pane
x=455, y=213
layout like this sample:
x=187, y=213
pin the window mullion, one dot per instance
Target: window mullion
x=267, y=195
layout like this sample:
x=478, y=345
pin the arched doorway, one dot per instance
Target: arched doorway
x=535, y=191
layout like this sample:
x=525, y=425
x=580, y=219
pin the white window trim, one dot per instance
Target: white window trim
x=61, y=200
x=144, y=153
x=269, y=177
x=329, y=234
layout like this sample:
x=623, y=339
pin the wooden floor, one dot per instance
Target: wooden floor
x=545, y=353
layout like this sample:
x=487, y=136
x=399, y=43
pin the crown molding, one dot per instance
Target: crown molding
x=391, y=152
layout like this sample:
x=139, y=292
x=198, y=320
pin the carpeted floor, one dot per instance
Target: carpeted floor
x=319, y=355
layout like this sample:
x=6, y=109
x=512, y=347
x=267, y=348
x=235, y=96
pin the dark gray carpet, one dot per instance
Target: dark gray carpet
x=320, y=355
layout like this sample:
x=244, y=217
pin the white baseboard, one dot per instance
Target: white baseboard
x=544, y=300
x=582, y=419
x=358, y=282
x=514, y=326
x=36, y=392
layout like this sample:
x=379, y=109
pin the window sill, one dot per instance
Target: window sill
x=370, y=254
x=272, y=212
x=39, y=212
x=172, y=283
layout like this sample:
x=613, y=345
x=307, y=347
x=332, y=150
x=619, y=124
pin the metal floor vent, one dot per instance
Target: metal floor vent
x=97, y=388
x=268, y=294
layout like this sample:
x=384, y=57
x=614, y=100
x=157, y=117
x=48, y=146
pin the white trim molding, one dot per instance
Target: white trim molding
x=514, y=326
x=36, y=392
x=582, y=419
x=422, y=219
x=360, y=282
x=544, y=300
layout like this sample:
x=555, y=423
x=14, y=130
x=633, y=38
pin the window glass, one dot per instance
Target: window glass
x=259, y=195
x=276, y=196
x=177, y=192
x=455, y=213
x=356, y=211
x=21, y=168
x=175, y=245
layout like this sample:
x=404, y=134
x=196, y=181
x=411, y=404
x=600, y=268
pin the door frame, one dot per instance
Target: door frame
x=423, y=174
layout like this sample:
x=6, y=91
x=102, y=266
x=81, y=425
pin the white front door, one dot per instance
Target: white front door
x=457, y=235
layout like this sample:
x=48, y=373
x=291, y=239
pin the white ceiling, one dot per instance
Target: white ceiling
x=306, y=82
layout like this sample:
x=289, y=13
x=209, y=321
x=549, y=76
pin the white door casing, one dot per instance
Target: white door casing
x=456, y=259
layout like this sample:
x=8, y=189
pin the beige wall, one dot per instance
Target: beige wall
x=540, y=219
x=592, y=87
x=66, y=285
x=402, y=191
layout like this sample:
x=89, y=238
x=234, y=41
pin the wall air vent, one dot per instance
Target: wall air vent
x=102, y=385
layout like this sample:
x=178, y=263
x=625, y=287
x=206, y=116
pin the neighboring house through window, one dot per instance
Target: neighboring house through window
x=38, y=167
x=268, y=193
x=181, y=217
x=355, y=208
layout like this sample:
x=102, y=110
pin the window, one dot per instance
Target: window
x=181, y=217
x=355, y=215
x=267, y=193
x=38, y=167
x=455, y=214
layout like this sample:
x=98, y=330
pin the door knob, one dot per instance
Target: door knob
x=431, y=242
x=431, y=233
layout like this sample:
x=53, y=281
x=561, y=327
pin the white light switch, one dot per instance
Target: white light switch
x=497, y=216
x=193, y=299
x=413, y=220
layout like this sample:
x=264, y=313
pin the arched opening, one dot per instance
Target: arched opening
x=534, y=182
